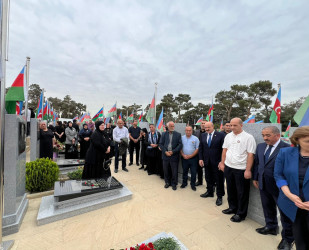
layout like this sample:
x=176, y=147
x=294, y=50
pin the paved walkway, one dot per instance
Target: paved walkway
x=195, y=221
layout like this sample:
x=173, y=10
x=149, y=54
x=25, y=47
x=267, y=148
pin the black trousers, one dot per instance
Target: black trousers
x=123, y=157
x=192, y=165
x=269, y=196
x=214, y=176
x=133, y=145
x=199, y=173
x=301, y=229
x=168, y=168
x=237, y=190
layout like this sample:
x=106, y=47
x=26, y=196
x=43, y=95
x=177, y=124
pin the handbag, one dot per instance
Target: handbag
x=72, y=149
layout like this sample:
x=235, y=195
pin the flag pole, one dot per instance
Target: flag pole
x=27, y=88
x=155, y=101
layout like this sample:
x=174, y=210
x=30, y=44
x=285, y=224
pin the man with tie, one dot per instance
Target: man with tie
x=170, y=144
x=263, y=179
x=210, y=151
x=236, y=162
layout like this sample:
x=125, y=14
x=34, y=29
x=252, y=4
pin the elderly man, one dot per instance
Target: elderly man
x=135, y=135
x=236, y=162
x=210, y=152
x=198, y=134
x=120, y=133
x=170, y=144
x=263, y=179
x=189, y=155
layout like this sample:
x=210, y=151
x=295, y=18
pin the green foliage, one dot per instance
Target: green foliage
x=41, y=174
x=166, y=244
x=76, y=175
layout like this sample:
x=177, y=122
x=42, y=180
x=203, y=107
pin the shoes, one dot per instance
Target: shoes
x=145, y=169
x=219, y=201
x=166, y=185
x=130, y=163
x=125, y=169
x=285, y=245
x=207, y=194
x=142, y=167
x=228, y=211
x=237, y=218
x=198, y=183
x=137, y=164
x=116, y=170
x=266, y=230
x=193, y=188
x=150, y=173
x=174, y=188
x=183, y=185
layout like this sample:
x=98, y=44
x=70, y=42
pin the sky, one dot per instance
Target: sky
x=100, y=52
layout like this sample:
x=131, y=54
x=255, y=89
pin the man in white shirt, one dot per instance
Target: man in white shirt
x=236, y=162
x=120, y=132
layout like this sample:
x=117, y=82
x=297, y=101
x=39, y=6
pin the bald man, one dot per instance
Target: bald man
x=237, y=161
x=210, y=151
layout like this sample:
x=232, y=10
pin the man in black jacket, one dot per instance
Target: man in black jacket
x=170, y=144
x=198, y=134
x=210, y=151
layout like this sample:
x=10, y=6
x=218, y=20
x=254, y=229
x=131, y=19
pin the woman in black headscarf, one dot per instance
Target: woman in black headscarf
x=97, y=153
x=84, y=139
x=71, y=142
x=144, y=140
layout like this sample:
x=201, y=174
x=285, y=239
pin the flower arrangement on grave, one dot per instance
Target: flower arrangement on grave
x=58, y=146
x=168, y=243
x=77, y=174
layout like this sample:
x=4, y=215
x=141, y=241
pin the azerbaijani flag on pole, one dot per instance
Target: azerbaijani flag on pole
x=98, y=115
x=275, y=114
x=199, y=121
x=45, y=111
x=210, y=115
x=151, y=112
x=15, y=93
x=140, y=119
x=159, y=126
x=75, y=118
x=19, y=107
x=302, y=115
x=40, y=107
x=287, y=132
x=221, y=125
x=82, y=117
x=250, y=119
x=131, y=117
x=112, y=111
x=120, y=116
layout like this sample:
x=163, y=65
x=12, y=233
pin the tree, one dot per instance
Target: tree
x=168, y=104
x=191, y=116
x=34, y=94
x=288, y=111
x=183, y=102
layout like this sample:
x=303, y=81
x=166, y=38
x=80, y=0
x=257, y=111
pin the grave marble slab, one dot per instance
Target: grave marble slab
x=63, y=163
x=48, y=212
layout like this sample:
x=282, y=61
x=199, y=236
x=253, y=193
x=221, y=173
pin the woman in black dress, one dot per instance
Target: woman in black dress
x=84, y=139
x=144, y=139
x=46, y=141
x=98, y=152
x=59, y=132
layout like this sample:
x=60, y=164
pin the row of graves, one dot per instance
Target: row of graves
x=74, y=197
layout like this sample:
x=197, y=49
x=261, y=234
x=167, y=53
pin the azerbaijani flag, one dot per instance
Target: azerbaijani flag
x=199, y=121
x=120, y=116
x=112, y=111
x=159, y=126
x=287, y=132
x=45, y=111
x=302, y=115
x=221, y=125
x=140, y=119
x=15, y=93
x=98, y=115
x=19, y=107
x=210, y=115
x=40, y=107
x=131, y=117
x=83, y=117
x=261, y=121
x=250, y=119
x=75, y=118
x=150, y=117
x=275, y=114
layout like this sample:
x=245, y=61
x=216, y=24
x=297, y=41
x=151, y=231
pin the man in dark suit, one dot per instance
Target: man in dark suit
x=263, y=179
x=210, y=151
x=170, y=144
x=198, y=134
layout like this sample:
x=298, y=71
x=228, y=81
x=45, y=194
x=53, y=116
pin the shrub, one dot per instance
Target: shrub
x=76, y=175
x=166, y=244
x=41, y=174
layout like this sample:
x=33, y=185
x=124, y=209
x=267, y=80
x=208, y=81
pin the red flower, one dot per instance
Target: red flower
x=150, y=245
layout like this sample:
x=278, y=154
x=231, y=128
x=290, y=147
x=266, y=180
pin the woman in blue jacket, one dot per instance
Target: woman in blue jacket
x=292, y=178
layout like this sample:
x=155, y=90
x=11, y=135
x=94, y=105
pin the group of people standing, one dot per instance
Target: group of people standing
x=279, y=171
